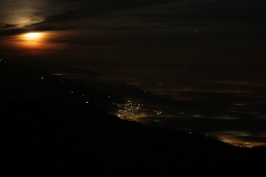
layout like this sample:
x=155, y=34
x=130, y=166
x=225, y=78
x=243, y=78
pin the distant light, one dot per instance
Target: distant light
x=158, y=112
x=87, y=102
x=42, y=77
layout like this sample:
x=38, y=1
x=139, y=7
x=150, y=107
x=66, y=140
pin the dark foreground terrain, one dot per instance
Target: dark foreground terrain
x=41, y=136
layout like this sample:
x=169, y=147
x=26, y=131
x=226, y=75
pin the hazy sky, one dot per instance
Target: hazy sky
x=153, y=30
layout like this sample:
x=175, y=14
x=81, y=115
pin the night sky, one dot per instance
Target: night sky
x=220, y=43
x=173, y=31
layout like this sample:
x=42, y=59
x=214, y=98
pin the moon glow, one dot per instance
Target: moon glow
x=32, y=36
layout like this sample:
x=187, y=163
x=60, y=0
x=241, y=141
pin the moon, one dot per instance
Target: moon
x=32, y=36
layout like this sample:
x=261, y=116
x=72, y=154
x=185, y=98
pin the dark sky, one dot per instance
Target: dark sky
x=230, y=31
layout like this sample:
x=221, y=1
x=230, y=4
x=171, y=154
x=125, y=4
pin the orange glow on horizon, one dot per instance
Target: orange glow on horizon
x=236, y=141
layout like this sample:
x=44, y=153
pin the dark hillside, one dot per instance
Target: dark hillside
x=23, y=83
x=44, y=139
x=46, y=131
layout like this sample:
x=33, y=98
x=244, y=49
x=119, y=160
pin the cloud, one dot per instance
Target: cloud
x=6, y=26
x=48, y=15
x=62, y=15
x=12, y=32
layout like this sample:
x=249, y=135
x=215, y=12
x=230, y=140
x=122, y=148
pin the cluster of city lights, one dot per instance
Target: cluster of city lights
x=130, y=111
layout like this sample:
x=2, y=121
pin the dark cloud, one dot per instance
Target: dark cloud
x=134, y=14
x=12, y=32
x=6, y=26
x=61, y=15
